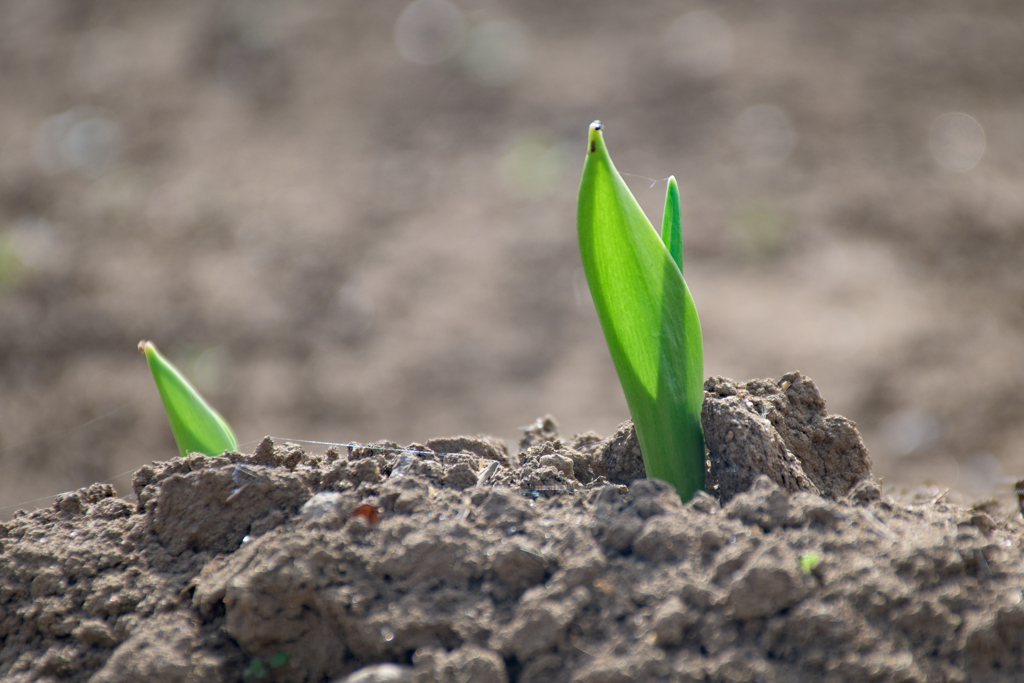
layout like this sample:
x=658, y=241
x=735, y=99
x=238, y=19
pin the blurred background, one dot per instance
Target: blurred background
x=356, y=220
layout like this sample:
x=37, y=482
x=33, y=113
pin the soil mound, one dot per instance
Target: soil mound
x=456, y=560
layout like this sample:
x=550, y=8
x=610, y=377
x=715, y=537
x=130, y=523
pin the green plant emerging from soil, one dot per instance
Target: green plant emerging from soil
x=809, y=561
x=648, y=316
x=197, y=427
x=258, y=668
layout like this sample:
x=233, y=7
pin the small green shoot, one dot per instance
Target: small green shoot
x=672, y=223
x=12, y=269
x=197, y=427
x=808, y=561
x=648, y=316
x=257, y=669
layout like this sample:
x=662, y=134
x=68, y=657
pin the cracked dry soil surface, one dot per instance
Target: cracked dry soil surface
x=456, y=560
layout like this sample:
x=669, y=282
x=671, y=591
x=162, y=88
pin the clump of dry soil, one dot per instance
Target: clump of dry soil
x=456, y=560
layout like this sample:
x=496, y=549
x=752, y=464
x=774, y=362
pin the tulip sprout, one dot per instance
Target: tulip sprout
x=648, y=316
x=197, y=427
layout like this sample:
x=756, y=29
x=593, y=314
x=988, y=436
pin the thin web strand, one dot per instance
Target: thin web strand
x=64, y=493
x=349, y=444
x=390, y=449
x=653, y=181
x=59, y=432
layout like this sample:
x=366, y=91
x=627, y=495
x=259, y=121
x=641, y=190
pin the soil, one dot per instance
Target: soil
x=457, y=560
x=336, y=243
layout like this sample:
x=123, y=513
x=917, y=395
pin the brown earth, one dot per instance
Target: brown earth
x=339, y=244
x=456, y=560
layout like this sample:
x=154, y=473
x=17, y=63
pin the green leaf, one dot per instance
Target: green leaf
x=197, y=427
x=808, y=562
x=256, y=669
x=649, y=320
x=672, y=223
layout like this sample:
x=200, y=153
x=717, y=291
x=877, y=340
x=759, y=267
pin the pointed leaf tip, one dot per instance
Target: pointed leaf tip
x=196, y=426
x=595, y=140
x=672, y=225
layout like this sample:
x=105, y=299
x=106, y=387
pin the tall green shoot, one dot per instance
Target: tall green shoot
x=648, y=317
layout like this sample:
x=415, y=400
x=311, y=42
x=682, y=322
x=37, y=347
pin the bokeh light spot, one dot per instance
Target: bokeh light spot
x=909, y=432
x=208, y=368
x=353, y=311
x=699, y=44
x=429, y=31
x=37, y=246
x=957, y=141
x=758, y=229
x=496, y=52
x=981, y=474
x=78, y=139
x=11, y=266
x=534, y=165
x=764, y=135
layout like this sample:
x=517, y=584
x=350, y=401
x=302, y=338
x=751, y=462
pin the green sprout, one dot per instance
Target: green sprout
x=257, y=669
x=648, y=316
x=12, y=269
x=808, y=561
x=197, y=427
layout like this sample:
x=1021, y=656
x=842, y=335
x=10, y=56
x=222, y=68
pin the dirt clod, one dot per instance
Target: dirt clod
x=552, y=564
x=786, y=434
